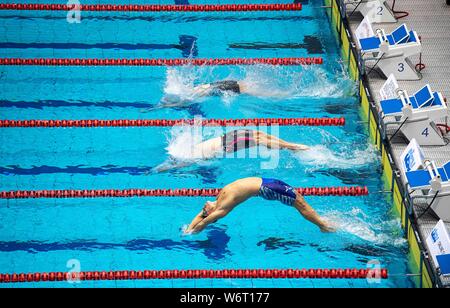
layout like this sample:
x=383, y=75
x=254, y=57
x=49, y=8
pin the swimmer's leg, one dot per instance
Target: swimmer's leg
x=273, y=142
x=310, y=214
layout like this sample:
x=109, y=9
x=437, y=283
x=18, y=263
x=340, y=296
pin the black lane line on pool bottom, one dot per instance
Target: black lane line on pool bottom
x=311, y=43
x=193, y=109
x=49, y=103
x=187, y=45
x=214, y=247
x=208, y=174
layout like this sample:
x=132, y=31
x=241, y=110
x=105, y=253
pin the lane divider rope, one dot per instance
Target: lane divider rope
x=153, y=7
x=166, y=123
x=179, y=192
x=196, y=274
x=159, y=62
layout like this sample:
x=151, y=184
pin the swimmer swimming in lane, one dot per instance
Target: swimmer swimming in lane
x=218, y=88
x=231, y=142
x=239, y=191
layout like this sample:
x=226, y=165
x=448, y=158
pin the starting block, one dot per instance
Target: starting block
x=377, y=10
x=391, y=52
x=438, y=242
x=423, y=175
x=415, y=115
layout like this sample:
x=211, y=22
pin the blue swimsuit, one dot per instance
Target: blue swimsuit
x=272, y=189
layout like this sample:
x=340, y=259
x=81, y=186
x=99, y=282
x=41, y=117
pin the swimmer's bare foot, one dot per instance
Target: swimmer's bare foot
x=328, y=228
x=299, y=147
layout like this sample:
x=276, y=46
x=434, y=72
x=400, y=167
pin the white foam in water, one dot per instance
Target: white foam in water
x=182, y=141
x=320, y=156
x=183, y=230
x=355, y=222
x=263, y=81
x=180, y=83
x=316, y=82
x=308, y=81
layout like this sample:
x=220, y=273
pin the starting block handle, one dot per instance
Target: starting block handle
x=430, y=166
x=381, y=35
x=404, y=98
x=435, y=169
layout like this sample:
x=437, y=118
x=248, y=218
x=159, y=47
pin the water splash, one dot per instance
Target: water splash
x=178, y=83
x=262, y=81
x=184, y=229
x=357, y=223
x=182, y=142
x=320, y=156
x=298, y=82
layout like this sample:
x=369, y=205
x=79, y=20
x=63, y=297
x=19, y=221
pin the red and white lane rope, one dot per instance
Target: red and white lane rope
x=165, y=122
x=158, y=62
x=179, y=192
x=197, y=274
x=153, y=7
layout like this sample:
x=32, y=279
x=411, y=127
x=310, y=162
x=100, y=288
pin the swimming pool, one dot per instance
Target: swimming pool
x=140, y=233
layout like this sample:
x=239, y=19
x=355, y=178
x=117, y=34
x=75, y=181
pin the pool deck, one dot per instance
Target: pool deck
x=431, y=20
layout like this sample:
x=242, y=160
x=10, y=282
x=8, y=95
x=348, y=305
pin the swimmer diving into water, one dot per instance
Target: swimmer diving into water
x=239, y=191
x=231, y=142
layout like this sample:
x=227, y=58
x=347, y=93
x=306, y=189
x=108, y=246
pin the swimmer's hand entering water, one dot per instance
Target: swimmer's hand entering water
x=185, y=230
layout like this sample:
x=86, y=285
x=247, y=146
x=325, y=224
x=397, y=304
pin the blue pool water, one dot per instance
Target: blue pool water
x=145, y=233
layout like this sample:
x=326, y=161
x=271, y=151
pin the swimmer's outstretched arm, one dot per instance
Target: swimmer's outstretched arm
x=201, y=90
x=197, y=219
x=199, y=223
x=168, y=104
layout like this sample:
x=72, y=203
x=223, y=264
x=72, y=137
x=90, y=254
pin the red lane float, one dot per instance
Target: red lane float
x=157, y=62
x=334, y=273
x=179, y=192
x=169, y=123
x=153, y=7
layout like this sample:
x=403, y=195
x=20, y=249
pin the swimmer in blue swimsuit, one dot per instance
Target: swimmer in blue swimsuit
x=239, y=191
